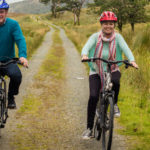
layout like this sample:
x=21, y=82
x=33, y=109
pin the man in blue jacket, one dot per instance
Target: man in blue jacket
x=10, y=33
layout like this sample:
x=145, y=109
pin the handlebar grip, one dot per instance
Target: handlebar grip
x=89, y=60
x=84, y=60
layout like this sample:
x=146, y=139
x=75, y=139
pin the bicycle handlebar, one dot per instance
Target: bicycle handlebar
x=110, y=62
x=12, y=60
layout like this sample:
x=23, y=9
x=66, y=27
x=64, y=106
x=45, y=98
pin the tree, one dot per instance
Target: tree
x=75, y=7
x=117, y=6
x=69, y=5
x=131, y=11
x=136, y=12
x=54, y=4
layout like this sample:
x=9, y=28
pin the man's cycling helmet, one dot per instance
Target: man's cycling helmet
x=3, y=4
x=108, y=16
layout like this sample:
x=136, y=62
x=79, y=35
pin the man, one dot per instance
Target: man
x=10, y=33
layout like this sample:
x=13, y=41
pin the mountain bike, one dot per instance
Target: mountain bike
x=3, y=93
x=103, y=125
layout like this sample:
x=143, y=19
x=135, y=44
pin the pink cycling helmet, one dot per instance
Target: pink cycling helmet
x=108, y=16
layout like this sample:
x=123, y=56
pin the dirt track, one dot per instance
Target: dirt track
x=75, y=101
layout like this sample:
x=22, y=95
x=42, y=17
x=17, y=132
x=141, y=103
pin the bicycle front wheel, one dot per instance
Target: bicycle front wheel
x=107, y=132
x=97, y=130
x=0, y=116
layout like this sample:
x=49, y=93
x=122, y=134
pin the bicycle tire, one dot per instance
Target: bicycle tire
x=0, y=116
x=107, y=131
x=2, y=105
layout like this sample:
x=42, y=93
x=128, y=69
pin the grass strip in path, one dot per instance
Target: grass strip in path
x=41, y=113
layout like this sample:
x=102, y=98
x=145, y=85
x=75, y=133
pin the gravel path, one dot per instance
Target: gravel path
x=75, y=100
x=28, y=75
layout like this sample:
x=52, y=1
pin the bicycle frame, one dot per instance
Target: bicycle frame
x=104, y=122
x=107, y=92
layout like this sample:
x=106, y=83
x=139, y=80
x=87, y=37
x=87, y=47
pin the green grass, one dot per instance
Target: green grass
x=135, y=94
x=134, y=98
x=30, y=106
x=33, y=31
x=53, y=64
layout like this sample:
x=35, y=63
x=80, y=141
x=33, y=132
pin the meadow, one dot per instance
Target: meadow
x=33, y=31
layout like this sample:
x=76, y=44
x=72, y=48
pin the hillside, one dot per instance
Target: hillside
x=29, y=7
x=33, y=7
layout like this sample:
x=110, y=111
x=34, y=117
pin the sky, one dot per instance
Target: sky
x=12, y=1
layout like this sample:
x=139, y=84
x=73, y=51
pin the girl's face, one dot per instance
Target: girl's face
x=108, y=27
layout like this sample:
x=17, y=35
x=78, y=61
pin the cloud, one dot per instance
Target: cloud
x=13, y=1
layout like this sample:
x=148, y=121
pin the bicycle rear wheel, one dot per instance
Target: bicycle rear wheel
x=107, y=131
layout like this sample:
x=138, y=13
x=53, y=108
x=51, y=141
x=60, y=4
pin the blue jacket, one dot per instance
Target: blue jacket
x=10, y=33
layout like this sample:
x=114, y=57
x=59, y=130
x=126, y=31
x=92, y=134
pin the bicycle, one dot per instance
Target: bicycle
x=3, y=93
x=103, y=125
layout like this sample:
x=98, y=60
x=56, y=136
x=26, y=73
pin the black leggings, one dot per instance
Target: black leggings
x=94, y=84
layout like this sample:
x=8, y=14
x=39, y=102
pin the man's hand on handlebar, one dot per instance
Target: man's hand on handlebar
x=84, y=57
x=24, y=61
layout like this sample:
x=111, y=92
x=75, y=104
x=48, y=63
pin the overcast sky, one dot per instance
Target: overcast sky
x=13, y=1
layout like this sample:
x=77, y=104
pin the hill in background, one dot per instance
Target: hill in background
x=29, y=7
x=32, y=7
